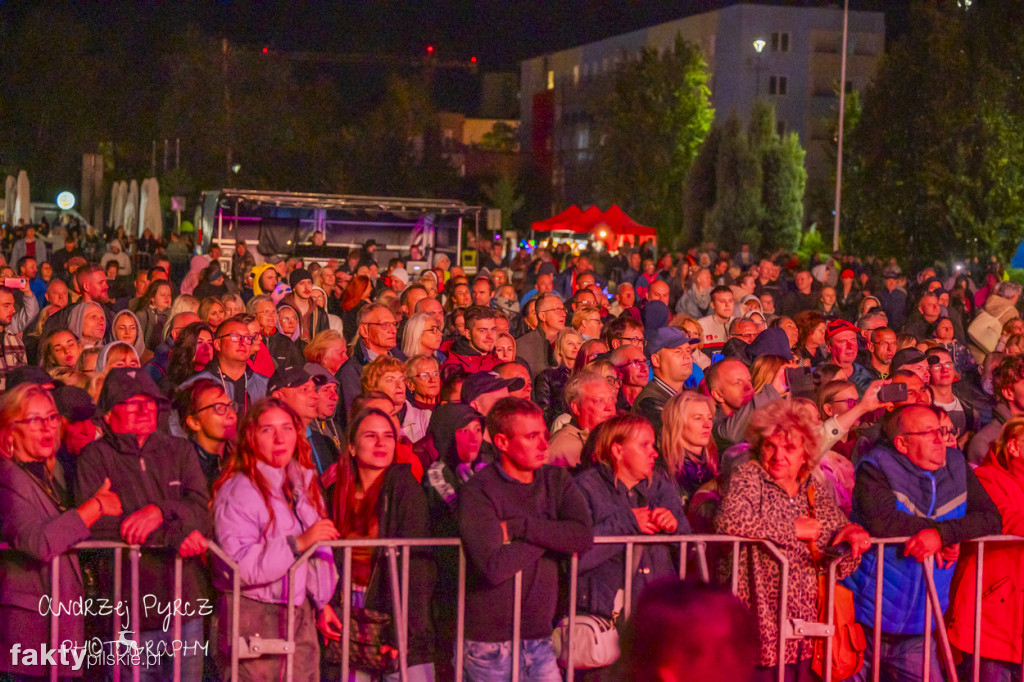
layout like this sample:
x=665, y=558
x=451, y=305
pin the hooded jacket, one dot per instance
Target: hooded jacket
x=140, y=335
x=257, y=272
x=469, y=359
x=163, y=472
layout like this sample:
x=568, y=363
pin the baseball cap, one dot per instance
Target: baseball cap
x=320, y=374
x=123, y=383
x=911, y=356
x=838, y=327
x=29, y=374
x=74, y=403
x=668, y=337
x=478, y=383
x=846, y=274
x=287, y=377
x=297, y=275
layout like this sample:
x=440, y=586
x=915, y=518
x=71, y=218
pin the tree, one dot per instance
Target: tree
x=938, y=170
x=504, y=194
x=652, y=125
x=502, y=137
x=747, y=186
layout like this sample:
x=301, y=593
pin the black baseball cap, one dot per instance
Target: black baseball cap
x=74, y=403
x=287, y=377
x=478, y=383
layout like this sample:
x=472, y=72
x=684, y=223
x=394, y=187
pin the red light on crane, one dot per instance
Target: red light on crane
x=266, y=50
x=472, y=60
x=430, y=49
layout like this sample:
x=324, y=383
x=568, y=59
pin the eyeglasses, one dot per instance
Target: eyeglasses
x=37, y=423
x=633, y=363
x=747, y=336
x=243, y=339
x=219, y=409
x=942, y=432
x=143, y=405
x=427, y=376
x=614, y=381
x=634, y=340
x=943, y=365
x=557, y=311
x=387, y=325
x=849, y=402
x=432, y=330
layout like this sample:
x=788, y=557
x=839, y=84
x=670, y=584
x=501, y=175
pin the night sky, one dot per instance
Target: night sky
x=498, y=32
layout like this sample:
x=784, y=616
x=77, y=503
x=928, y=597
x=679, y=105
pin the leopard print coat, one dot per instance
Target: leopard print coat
x=756, y=507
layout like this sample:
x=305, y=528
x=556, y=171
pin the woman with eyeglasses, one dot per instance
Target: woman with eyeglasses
x=40, y=522
x=267, y=510
x=189, y=355
x=423, y=380
x=423, y=336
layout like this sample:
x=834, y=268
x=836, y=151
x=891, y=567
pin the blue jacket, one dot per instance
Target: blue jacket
x=936, y=495
x=602, y=568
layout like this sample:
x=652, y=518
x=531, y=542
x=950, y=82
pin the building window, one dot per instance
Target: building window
x=576, y=75
x=777, y=85
x=551, y=80
x=780, y=42
x=780, y=128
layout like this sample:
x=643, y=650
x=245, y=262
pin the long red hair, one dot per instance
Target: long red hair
x=246, y=454
x=354, y=292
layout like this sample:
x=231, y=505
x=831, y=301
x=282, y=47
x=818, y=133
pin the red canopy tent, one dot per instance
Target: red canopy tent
x=563, y=221
x=622, y=224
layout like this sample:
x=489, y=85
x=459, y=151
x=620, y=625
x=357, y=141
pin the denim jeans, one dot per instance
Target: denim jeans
x=901, y=658
x=991, y=670
x=492, y=661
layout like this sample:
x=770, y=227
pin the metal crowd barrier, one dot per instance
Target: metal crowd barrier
x=134, y=553
x=399, y=585
x=933, y=610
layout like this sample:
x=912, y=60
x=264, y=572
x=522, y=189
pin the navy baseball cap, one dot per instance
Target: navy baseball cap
x=668, y=337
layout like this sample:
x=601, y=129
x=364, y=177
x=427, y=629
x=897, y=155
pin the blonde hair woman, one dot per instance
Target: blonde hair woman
x=690, y=456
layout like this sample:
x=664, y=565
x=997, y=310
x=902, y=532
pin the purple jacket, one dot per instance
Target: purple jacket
x=241, y=523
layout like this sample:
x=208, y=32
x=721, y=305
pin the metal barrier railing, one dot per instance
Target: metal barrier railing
x=399, y=586
x=933, y=611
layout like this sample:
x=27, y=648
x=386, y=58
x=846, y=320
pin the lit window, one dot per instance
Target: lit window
x=551, y=80
x=576, y=75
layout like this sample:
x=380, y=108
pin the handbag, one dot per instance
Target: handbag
x=595, y=639
x=368, y=647
x=848, y=643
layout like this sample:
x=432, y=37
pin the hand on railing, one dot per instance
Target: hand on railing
x=947, y=556
x=328, y=623
x=323, y=529
x=924, y=544
x=137, y=527
x=193, y=545
x=858, y=539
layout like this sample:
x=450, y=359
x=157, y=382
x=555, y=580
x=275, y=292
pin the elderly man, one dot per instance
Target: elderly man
x=591, y=401
x=377, y=335
x=671, y=355
x=165, y=504
x=918, y=487
x=535, y=347
x=841, y=337
x=634, y=373
x=927, y=313
x=881, y=349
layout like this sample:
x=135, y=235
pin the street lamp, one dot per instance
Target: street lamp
x=758, y=46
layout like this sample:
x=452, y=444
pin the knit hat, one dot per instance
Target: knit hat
x=297, y=275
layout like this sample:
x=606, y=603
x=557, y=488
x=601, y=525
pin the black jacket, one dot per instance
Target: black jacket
x=164, y=472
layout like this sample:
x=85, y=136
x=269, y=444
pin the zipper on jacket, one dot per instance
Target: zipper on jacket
x=142, y=463
x=931, y=510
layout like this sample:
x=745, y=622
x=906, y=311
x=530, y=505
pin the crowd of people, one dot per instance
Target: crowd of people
x=546, y=399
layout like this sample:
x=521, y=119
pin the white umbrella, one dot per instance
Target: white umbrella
x=23, y=207
x=131, y=209
x=153, y=216
x=10, y=192
x=123, y=196
x=112, y=204
x=143, y=205
x=117, y=198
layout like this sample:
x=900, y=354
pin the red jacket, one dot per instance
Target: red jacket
x=463, y=355
x=1002, y=600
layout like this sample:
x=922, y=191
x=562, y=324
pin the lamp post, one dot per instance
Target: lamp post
x=758, y=46
x=842, y=107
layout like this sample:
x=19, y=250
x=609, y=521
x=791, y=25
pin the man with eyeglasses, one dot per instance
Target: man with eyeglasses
x=671, y=355
x=881, y=349
x=914, y=486
x=623, y=331
x=634, y=372
x=591, y=401
x=165, y=502
x=474, y=350
x=210, y=420
x=536, y=347
x=378, y=335
x=230, y=365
